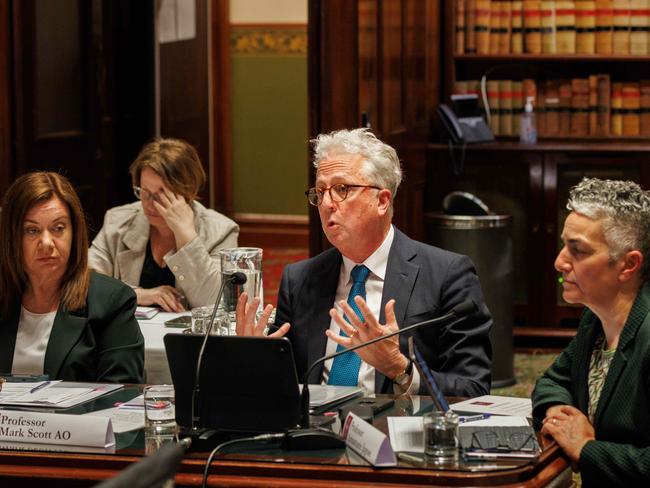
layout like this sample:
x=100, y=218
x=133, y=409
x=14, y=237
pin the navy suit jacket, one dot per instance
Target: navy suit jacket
x=425, y=282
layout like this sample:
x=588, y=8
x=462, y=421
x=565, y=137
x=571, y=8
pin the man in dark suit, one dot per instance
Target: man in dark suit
x=389, y=280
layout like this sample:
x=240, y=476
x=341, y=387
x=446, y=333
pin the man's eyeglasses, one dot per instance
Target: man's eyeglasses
x=144, y=195
x=338, y=193
x=514, y=441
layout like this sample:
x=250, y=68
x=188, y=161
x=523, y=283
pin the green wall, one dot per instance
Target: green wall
x=269, y=120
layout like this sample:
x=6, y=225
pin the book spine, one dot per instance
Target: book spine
x=532, y=27
x=460, y=88
x=593, y=105
x=540, y=107
x=506, y=34
x=617, y=109
x=566, y=27
x=604, y=26
x=644, y=89
x=548, y=23
x=585, y=27
x=639, y=27
x=631, y=109
x=470, y=26
x=495, y=26
x=604, y=104
x=580, y=107
x=495, y=109
x=505, y=103
x=482, y=26
x=552, y=104
x=621, y=22
x=517, y=105
x=565, y=107
x=460, y=27
x=517, y=28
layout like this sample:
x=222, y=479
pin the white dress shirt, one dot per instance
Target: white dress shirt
x=31, y=341
x=376, y=263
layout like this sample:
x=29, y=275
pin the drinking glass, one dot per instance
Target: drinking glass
x=247, y=260
x=201, y=317
x=160, y=411
x=441, y=437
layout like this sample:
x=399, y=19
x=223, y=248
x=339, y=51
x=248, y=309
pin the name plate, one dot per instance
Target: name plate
x=368, y=441
x=52, y=428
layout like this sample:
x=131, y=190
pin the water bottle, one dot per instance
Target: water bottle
x=527, y=124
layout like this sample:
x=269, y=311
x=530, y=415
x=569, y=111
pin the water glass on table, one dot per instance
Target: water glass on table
x=160, y=411
x=441, y=437
x=246, y=260
x=201, y=319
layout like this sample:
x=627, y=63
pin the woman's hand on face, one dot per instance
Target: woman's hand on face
x=178, y=216
x=248, y=325
x=165, y=296
x=570, y=428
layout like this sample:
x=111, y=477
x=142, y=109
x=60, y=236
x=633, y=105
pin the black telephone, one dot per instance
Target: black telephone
x=468, y=126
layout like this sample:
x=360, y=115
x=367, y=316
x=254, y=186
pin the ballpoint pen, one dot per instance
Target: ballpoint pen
x=473, y=418
x=39, y=387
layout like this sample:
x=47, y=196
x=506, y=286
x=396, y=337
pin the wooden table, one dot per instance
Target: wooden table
x=270, y=466
x=76, y=470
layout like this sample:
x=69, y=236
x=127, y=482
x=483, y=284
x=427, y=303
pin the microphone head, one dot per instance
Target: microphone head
x=465, y=308
x=237, y=278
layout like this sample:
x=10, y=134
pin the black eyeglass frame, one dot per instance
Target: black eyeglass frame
x=319, y=193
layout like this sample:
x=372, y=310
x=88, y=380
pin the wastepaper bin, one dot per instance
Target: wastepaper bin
x=487, y=240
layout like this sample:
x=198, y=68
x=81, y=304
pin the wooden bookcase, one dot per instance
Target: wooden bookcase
x=531, y=183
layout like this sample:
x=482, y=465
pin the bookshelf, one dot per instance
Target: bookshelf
x=531, y=183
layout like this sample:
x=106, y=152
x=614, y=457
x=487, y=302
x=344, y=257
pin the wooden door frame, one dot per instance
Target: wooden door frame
x=333, y=64
x=6, y=108
x=220, y=174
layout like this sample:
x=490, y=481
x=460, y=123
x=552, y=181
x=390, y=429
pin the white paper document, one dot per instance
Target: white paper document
x=496, y=405
x=18, y=388
x=123, y=419
x=58, y=394
x=323, y=395
x=406, y=434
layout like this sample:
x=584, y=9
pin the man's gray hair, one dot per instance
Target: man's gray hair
x=624, y=211
x=381, y=165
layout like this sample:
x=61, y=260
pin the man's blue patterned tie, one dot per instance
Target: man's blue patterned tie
x=345, y=368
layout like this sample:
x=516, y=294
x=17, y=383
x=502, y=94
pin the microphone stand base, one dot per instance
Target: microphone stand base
x=203, y=438
x=313, y=438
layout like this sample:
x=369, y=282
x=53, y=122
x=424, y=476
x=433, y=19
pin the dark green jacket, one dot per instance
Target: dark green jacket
x=620, y=455
x=100, y=343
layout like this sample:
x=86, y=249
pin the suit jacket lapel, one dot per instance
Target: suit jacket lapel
x=584, y=350
x=131, y=259
x=638, y=313
x=399, y=281
x=8, y=330
x=66, y=331
x=322, y=291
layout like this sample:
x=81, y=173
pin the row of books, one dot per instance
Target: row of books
x=614, y=27
x=579, y=107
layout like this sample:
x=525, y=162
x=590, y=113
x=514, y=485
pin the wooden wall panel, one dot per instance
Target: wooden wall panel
x=377, y=57
x=6, y=152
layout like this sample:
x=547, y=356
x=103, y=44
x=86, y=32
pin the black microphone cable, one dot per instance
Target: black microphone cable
x=255, y=438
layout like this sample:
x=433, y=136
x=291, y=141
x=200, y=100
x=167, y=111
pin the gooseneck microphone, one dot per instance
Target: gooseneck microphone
x=238, y=278
x=300, y=435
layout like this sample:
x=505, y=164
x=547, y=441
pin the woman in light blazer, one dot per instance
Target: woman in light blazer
x=166, y=245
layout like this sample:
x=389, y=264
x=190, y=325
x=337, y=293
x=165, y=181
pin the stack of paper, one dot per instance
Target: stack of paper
x=146, y=312
x=496, y=405
x=53, y=394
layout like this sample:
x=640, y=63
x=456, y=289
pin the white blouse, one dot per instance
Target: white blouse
x=31, y=341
